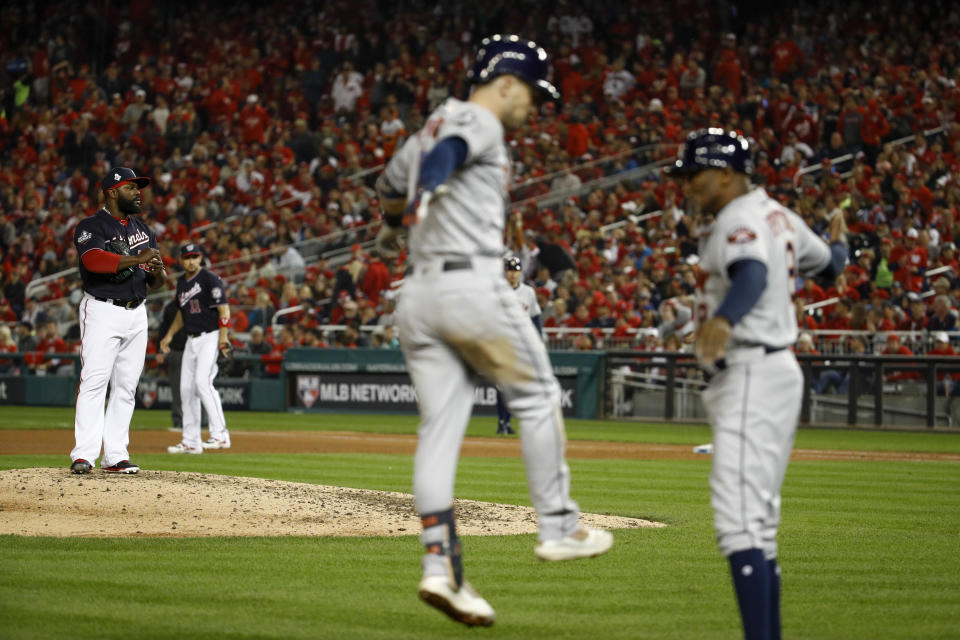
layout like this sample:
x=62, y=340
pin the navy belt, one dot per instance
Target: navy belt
x=722, y=364
x=457, y=265
x=126, y=304
x=447, y=265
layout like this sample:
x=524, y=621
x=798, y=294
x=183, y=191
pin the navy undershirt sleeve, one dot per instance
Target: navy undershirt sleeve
x=445, y=158
x=536, y=323
x=748, y=279
x=838, y=261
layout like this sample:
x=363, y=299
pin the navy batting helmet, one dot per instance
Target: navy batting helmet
x=502, y=54
x=512, y=264
x=713, y=149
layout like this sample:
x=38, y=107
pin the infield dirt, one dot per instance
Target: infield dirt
x=53, y=502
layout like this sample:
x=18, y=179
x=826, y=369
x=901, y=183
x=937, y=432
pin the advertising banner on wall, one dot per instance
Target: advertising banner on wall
x=12, y=390
x=389, y=392
x=154, y=393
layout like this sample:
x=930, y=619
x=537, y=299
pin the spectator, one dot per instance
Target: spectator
x=136, y=110
x=840, y=379
x=619, y=81
x=8, y=345
x=26, y=340
x=942, y=317
x=347, y=87
x=946, y=381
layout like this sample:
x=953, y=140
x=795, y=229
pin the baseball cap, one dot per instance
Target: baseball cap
x=191, y=249
x=119, y=175
x=912, y=233
x=942, y=336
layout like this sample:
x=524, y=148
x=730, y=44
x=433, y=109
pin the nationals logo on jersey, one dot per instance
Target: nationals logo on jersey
x=189, y=293
x=741, y=235
x=137, y=238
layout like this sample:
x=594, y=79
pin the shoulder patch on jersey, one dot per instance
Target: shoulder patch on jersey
x=84, y=236
x=217, y=292
x=741, y=235
x=464, y=118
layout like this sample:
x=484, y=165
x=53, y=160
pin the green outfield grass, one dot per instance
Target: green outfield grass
x=654, y=433
x=869, y=550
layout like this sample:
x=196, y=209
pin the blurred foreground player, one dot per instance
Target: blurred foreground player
x=458, y=317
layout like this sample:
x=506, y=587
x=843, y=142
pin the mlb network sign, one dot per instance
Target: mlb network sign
x=390, y=392
x=156, y=394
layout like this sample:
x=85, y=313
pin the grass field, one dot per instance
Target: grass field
x=869, y=550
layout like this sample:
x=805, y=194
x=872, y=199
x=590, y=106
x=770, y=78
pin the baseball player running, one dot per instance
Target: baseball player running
x=458, y=317
x=205, y=317
x=750, y=256
x=528, y=302
x=118, y=260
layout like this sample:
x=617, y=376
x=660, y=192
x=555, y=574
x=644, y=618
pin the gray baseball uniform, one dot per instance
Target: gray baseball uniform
x=754, y=403
x=458, y=317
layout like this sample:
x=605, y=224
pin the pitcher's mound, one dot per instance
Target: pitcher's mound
x=53, y=502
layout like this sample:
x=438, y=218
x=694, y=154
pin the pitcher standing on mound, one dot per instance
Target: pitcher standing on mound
x=118, y=261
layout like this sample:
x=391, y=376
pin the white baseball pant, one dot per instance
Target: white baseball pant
x=457, y=323
x=113, y=344
x=753, y=406
x=197, y=372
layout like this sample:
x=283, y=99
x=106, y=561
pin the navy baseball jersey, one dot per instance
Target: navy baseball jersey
x=198, y=299
x=94, y=233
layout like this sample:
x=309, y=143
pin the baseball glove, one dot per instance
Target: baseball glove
x=225, y=355
x=121, y=248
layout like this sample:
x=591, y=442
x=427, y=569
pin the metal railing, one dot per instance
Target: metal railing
x=666, y=385
x=899, y=142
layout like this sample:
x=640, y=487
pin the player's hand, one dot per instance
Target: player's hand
x=165, y=346
x=420, y=207
x=226, y=352
x=712, y=340
x=147, y=255
x=156, y=264
x=389, y=241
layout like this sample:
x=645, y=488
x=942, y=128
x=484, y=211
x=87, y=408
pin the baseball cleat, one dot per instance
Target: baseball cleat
x=80, y=466
x=464, y=605
x=213, y=443
x=124, y=466
x=504, y=428
x=182, y=448
x=583, y=543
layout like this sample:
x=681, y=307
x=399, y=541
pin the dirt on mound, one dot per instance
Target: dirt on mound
x=53, y=502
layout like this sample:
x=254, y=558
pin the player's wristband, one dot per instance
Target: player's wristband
x=224, y=322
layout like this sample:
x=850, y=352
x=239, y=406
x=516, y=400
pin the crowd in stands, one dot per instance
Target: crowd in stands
x=263, y=127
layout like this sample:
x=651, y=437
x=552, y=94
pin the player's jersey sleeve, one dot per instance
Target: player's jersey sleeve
x=480, y=130
x=398, y=169
x=218, y=294
x=533, y=307
x=88, y=235
x=476, y=126
x=813, y=254
x=740, y=235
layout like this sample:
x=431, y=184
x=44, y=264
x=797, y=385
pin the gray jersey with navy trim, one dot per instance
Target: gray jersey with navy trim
x=469, y=220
